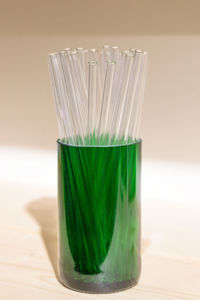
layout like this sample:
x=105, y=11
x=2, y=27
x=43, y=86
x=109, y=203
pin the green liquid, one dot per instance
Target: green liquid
x=99, y=216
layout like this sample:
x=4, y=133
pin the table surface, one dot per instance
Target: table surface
x=28, y=229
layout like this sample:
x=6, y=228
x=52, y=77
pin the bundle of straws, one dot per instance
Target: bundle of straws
x=98, y=94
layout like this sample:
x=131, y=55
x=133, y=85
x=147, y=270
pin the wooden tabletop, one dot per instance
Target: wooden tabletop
x=28, y=231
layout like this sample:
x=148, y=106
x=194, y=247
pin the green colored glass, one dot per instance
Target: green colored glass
x=99, y=216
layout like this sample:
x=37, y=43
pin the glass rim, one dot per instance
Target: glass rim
x=59, y=142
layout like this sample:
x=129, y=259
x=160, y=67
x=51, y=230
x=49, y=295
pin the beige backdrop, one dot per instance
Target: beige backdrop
x=168, y=30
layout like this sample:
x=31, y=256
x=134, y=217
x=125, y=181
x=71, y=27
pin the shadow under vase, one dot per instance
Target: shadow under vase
x=44, y=211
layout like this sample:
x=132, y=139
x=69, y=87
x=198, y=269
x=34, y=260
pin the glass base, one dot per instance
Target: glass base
x=97, y=288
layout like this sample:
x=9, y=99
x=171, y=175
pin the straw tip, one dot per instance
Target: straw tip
x=92, y=62
x=52, y=54
x=110, y=62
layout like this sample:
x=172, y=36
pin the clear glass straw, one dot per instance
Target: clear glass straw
x=92, y=98
x=76, y=112
x=81, y=56
x=63, y=95
x=58, y=105
x=106, y=56
x=140, y=94
x=100, y=81
x=122, y=91
x=71, y=115
x=115, y=54
x=128, y=116
x=106, y=99
x=80, y=105
x=79, y=81
x=118, y=79
x=85, y=68
x=66, y=100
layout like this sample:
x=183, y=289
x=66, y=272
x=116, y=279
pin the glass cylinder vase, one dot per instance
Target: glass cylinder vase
x=99, y=216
